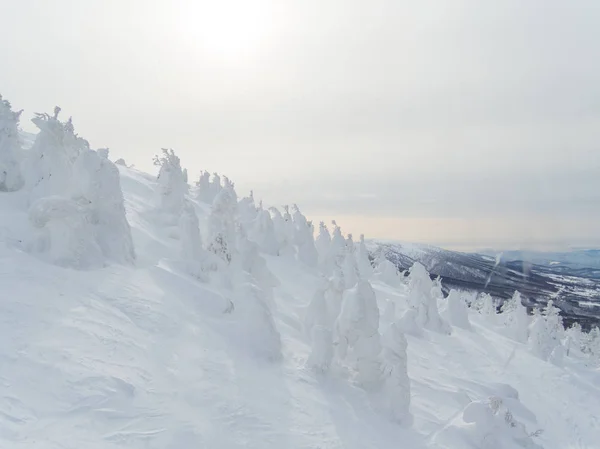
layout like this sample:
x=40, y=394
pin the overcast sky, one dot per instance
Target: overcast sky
x=467, y=124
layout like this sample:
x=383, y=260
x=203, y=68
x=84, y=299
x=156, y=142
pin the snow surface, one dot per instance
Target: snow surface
x=147, y=356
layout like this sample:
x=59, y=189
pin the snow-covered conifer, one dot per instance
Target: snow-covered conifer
x=282, y=231
x=386, y=271
x=488, y=308
x=396, y=382
x=171, y=183
x=48, y=166
x=215, y=185
x=300, y=225
x=11, y=178
x=307, y=252
x=335, y=294
x=204, y=191
x=190, y=239
x=247, y=210
x=539, y=340
x=554, y=323
x=364, y=263
x=338, y=243
x=97, y=187
x=73, y=144
x=350, y=268
x=263, y=233
x=65, y=234
x=221, y=225
x=515, y=318
x=323, y=243
x=591, y=345
x=421, y=300
x=457, y=311
x=357, y=329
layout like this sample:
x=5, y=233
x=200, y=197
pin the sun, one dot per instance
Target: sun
x=225, y=29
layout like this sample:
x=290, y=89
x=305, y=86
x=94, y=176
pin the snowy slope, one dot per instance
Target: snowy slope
x=146, y=356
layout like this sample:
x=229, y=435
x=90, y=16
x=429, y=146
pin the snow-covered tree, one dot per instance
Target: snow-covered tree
x=191, y=250
x=317, y=325
x=574, y=339
x=221, y=225
x=204, y=191
x=421, y=300
x=97, y=187
x=65, y=234
x=386, y=271
x=488, y=308
x=362, y=257
x=229, y=185
x=72, y=143
x=247, y=210
x=307, y=252
x=350, y=269
x=437, y=290
x=357, y=329
x=323, y=243
x=300, y=224
x=171, y=184
x=49, y=165
x=191, y=240
x=335, y=294
x=539, y=339
x=591, y=345
x=395, y=375
x=263, y=233
x=515, y=318
x=10, y=170
x=554, y=323
x=121, y=162
x=338, y=244
x=457, y=311
x=215, y=186
x=283, y=232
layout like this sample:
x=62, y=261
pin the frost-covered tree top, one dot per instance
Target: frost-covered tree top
x=364, y=263
x=50, y=160
x=171, y=181
x=10, y=171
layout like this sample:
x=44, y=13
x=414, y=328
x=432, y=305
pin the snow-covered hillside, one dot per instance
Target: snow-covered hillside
x=170, y=316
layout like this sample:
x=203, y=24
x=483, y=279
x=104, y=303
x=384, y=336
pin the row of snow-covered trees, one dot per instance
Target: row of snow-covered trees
x=76, y=206
x=73, y=193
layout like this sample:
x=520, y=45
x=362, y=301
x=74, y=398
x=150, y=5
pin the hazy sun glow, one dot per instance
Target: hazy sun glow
x=226, y=29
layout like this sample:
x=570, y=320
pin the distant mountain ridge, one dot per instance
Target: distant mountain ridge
x=563, y=277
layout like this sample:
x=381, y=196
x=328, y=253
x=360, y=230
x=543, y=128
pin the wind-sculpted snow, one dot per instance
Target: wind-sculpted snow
x=224, y=332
